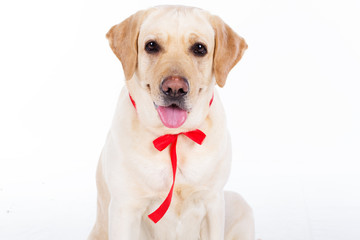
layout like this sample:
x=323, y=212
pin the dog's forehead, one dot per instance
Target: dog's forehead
x=178, y=22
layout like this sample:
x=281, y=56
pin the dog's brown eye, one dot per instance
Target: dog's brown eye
x=199, y=49
x=152, y=47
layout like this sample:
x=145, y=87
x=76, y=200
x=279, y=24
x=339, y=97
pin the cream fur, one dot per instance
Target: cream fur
x=133, y=178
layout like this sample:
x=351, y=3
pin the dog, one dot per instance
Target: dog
x=167, y=156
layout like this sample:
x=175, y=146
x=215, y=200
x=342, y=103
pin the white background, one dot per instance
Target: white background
x=292, y=103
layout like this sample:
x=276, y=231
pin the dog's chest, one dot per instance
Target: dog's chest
x=194, y=168
x=183, y=220
x=186, y=214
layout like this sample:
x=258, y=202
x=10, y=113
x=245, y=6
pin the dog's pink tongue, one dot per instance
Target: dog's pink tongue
x=172, y=117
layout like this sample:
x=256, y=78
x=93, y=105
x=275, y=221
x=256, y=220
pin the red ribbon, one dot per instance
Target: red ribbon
x=160, y=144
x=211, y=100
x=132, y=101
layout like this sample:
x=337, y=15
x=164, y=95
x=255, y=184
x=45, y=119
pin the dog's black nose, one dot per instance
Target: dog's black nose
x=175, y=86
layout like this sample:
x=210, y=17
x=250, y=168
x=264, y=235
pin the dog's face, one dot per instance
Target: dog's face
x=175, y=54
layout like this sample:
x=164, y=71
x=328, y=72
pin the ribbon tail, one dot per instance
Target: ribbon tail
x=160, y=212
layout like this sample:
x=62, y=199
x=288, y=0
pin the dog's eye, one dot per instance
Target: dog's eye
x=152, y=47
x=199, y=49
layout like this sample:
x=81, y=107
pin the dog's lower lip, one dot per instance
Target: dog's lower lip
x=171, y=105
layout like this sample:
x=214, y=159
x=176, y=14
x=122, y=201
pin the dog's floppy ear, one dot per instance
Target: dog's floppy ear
x=123, y=41
x=229, y=48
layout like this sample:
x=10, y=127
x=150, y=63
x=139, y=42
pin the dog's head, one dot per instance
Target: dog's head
x=172, y=57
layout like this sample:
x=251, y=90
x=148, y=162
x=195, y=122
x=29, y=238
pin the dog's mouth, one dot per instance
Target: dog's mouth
x=172, y=116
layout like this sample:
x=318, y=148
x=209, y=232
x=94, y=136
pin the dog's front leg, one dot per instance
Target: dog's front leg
x=124, y=222
x=216, y=217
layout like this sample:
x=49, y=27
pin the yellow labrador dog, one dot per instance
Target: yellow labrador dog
x=168, y=153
